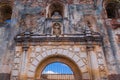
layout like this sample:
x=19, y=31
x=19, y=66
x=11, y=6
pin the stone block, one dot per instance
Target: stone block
x=18, y=48
x=65, y=52
x=83, y=69
x=81, y=63
x=100, y=61
x=30, y=74
x=30, y=79
x=54, y=51
x=39, y=57
x=70, y=55
x=16, y=66
x=60, y=51
x=32, y=68
x=70, y=49
x=43, y=49
x=75, y=58
x=83, y=54
x=37, y=49
x=77, y=49
x=44, y=54
x=35, y=62
x=49, y=52
x=17, y=54
x=15, y=72
x=17, y=60
x=83, y=49
x=86, y=76
x=33, y=54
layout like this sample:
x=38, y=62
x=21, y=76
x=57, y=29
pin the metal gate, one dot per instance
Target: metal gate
x=57, y=71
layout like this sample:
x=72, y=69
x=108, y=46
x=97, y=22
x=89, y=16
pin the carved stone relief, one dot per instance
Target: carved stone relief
x=56, y=29
x=101, y=66
x=33, y=23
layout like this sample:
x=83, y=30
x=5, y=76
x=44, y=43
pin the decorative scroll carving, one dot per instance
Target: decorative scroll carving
x=101, y=65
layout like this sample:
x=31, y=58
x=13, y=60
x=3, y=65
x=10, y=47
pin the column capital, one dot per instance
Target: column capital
x=90, y=47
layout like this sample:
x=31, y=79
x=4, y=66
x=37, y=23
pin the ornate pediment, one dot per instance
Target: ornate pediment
x=86, y=36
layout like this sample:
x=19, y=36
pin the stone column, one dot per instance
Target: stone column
x=93, y=63
x=116, y=50
x=116, y=55
x=106, y=45
x=16, y=63
x=101, y=62
x=24, y=62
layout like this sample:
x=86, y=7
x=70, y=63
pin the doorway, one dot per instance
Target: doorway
x=57, y=71
x=58, y=67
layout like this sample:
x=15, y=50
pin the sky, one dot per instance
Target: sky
x=57, y=68
x=8, y=21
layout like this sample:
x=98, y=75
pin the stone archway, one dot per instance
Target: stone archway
x=60, y=58
x=74, y=61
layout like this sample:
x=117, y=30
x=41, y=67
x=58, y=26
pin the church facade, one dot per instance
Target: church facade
x=83, y=34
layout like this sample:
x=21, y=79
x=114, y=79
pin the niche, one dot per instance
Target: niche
x=6, y=12
x=112, y=10
x=56, y=8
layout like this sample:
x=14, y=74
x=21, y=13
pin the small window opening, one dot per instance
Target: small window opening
x=56, y=8
x=112, y=10
x=6, y=12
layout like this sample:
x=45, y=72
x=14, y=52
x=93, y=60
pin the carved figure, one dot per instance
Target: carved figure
x=56, y=29
x=56, y=15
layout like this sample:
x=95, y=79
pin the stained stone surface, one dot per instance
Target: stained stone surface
x=79, y=18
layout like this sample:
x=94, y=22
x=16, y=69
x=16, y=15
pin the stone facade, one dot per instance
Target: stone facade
x=84, y=34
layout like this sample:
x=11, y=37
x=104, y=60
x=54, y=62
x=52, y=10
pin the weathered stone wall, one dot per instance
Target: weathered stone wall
x=6, y=52
x=90, y=62
x=28, y=14
x=31, y=15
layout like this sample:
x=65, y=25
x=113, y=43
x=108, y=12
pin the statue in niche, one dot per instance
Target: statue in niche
x=56, y=29
x=56, y=15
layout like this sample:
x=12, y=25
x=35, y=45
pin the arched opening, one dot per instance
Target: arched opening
x=57, y=71
x=56, y=8
x=6, y=12
x=113, y=10
x=75, y=71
